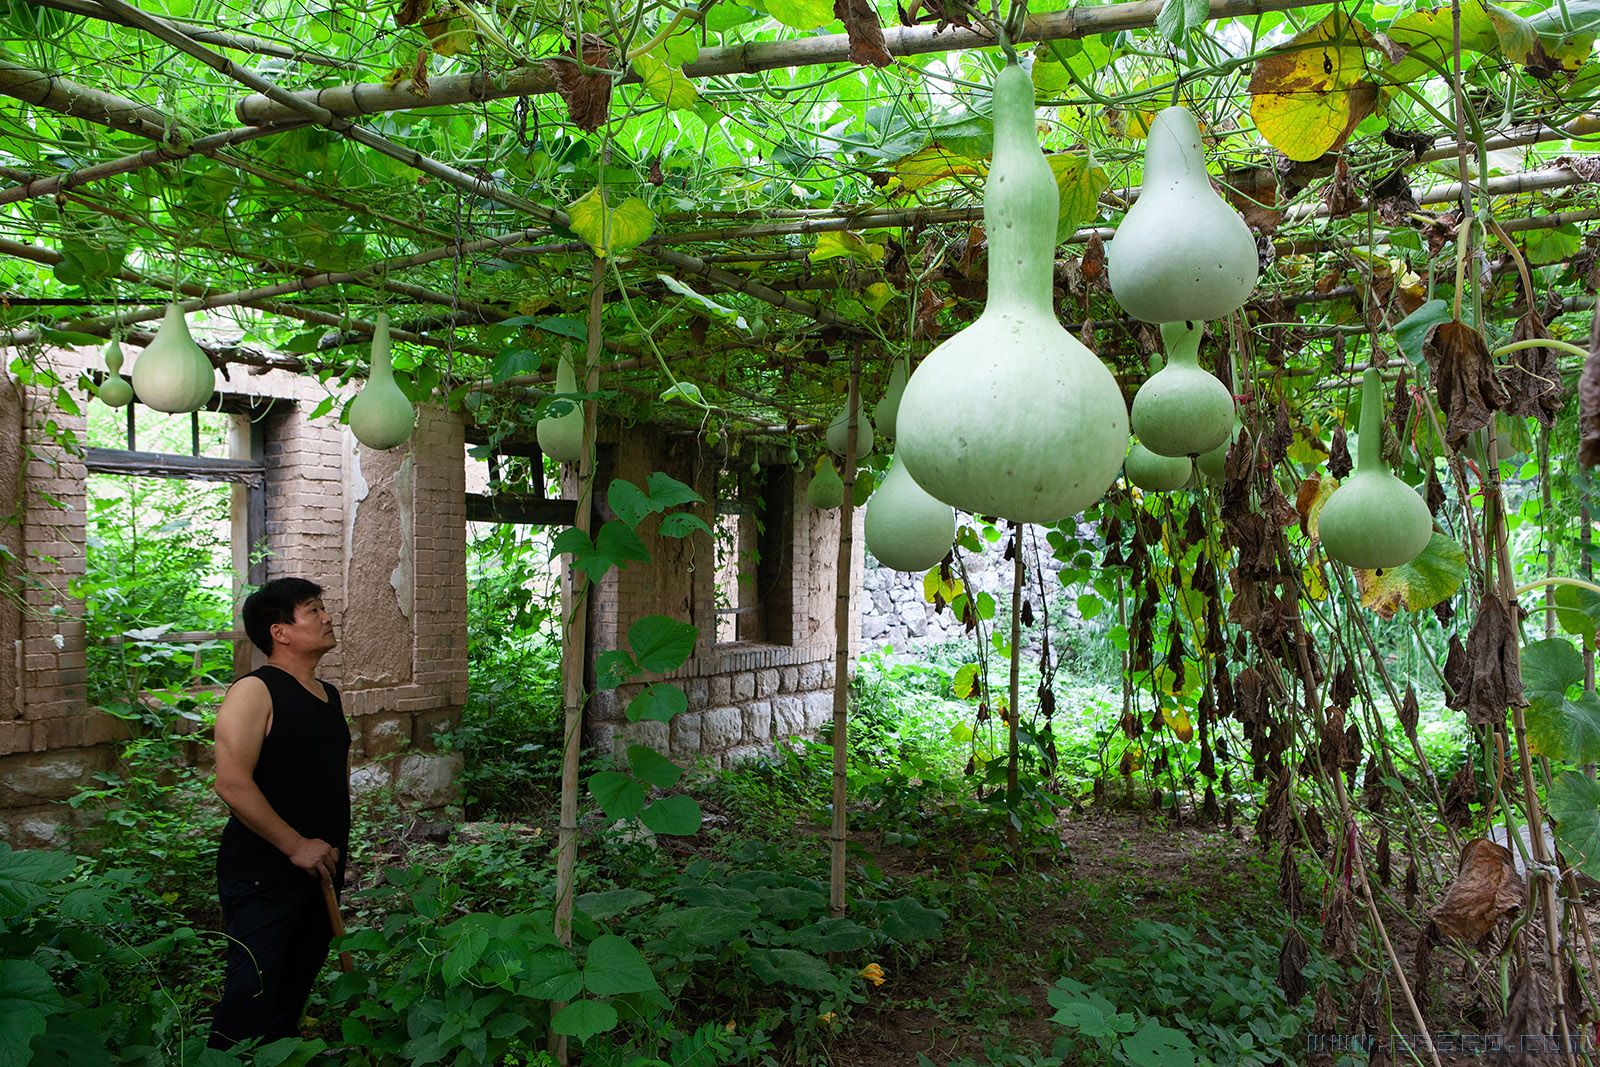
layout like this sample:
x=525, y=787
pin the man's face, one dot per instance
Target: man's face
x=311, y=631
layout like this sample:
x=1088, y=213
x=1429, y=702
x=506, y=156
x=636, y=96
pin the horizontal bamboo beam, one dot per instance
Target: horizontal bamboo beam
x=238, y=42
x=67, y=97
x=367, y=98
x=167, y=465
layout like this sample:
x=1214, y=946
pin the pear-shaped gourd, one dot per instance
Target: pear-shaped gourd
x=561, y=436
x=1156, y=474
x=827, y=488
x=884, y=415
x=381, y=415
x=908, y=530
x=1374, y=520
x=114, y=390
x=172, y=374
x=839, y=430
x=1182, y=410
x=1013, y=416
x=1181, y=253
x=1212, y=463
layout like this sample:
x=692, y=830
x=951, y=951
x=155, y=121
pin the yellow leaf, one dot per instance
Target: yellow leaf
x=1314, y=582
x=1309, y=95
x=1418, y=585
x=1428, y=38
x=931, y=164
x=666, y=83
x=1178, y=720
x=1079, y=181
x=607, y=229
x=836, y=243
x=1314, y=493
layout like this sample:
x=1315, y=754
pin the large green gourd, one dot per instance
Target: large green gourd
x=1374, y=520
x=839, y=430
x=1181, y=253
x=1156, y=474
x=908, y=530
x=1013, y=416
x=114, y=390
x=885, y=414
x=827, y=488
x=561, y=436
x=1182, y=410
x=381, y=415
x=173, y=374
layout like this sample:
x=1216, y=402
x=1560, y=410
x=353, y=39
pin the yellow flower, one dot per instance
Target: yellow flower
x=730, y=1026
x=827, y=1017
x=873, y=973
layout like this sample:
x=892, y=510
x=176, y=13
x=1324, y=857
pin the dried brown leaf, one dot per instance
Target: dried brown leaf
x=1408, y=711
x=1585, y=167
x=1493, y=678
x=588, y=96
x=1292, y=960
x=1340, y=196
x=1339, y=924
x=1459, y=794
x=1589, y=401
x=1469, y=391
x=1339, y=463
x=860, y=20
x=1532, y=379
x=1486, y=889
x=411, y=11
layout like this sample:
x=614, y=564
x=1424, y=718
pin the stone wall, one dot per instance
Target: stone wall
x=374, y=528
x=743, y=695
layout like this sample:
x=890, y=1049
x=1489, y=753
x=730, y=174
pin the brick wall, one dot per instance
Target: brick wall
x=374, y=528
x=743, y=696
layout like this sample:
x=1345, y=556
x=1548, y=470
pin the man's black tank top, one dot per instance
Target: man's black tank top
x=302, y=771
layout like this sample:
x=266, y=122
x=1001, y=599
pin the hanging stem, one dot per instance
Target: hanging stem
x=843, y=577
x=1013, y=708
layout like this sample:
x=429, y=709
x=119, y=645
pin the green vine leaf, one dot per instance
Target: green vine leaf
x=1575, y=807
x=1416, y=586
x=666, y=83
x=1563, y=720
x=800, y=14
x=661, y=643
x=584, y=1019
x=677, y=816
x=609, y=230
x=1080, y=181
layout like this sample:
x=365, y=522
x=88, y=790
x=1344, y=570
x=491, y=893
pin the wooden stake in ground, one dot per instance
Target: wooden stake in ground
x=1014, y=693
x=574, y=634
x=843, y=576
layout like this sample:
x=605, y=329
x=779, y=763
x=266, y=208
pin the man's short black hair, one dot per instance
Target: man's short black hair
x=277, y=601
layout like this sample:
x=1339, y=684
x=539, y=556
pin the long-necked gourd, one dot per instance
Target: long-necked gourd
x=114, y=389
x=1013, y=416
x=827, y=488
x=381, y=415
x=884, y=415
x=908, y=530
x=1154, y=473
x=839, y=430
x=561, y=436
x=1181, y=253
x=172, y=374
x=1182, y=410
x=1374, y=520
x=1212, y=463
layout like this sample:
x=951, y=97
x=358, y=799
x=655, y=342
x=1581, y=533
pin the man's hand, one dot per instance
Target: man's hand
x=316, y=857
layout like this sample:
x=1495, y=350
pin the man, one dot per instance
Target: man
x=282, y=753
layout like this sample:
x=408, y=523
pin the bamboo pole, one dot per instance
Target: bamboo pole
x=844, y=578
x=366, y=98
x=239, y=42
x=574, y=651
x=67, y=97
x=1014, y=697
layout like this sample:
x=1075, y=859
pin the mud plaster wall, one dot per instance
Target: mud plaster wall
x=383, y=532
x=743, y=696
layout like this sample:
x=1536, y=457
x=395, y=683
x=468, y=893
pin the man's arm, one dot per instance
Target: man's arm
x=241, y=727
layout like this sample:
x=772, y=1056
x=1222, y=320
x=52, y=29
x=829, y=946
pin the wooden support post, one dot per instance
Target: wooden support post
x=1014, y=692
x=843, y=577
x=574, y=634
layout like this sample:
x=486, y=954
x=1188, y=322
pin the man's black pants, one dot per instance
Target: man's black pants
x=278, y=938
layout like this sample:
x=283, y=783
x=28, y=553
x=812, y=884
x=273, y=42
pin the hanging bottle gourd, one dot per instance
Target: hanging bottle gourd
x=1374, y=520
x=1212, y=463
x=839, y=430
x=908, y=530
x=883, y=416
x=1182, y=410
x=1181, y=253
x=1156, y=474
x=561, y=436
x=381, y=415
x=172, y=374
x=1012, y=416
x=827, y=488
x=114, y=389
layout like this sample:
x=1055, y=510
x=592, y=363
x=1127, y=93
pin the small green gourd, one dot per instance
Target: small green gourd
x=839, y=430
x=1212, y=463
x=907, y=530
x=1182, y=410
x=381, y=415
x=884, y=415
x=114, y=389
x=173, y=374
x=1154, y=473
x=1181, y=253
x=1013, y=416
x=1374, y=520
x=827, y=488
x=561, y=436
